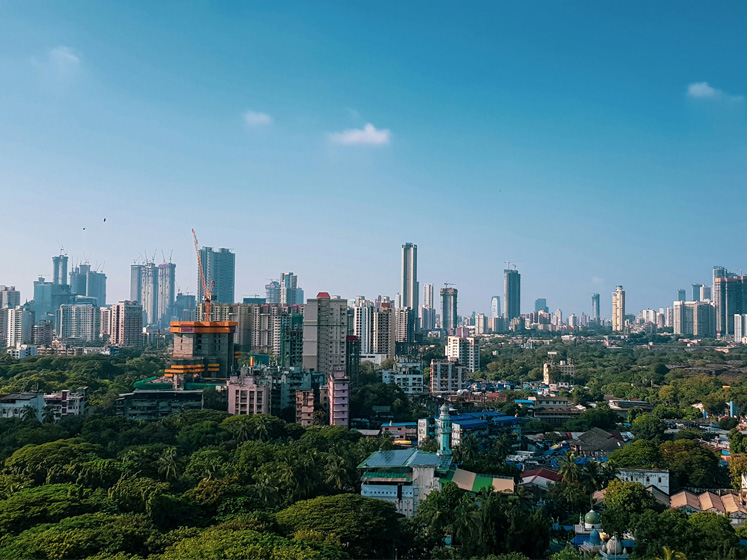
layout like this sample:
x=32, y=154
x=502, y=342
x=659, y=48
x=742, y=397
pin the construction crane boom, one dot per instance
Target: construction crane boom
x=208, y=292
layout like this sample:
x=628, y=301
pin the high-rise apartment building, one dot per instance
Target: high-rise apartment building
x=136, y=283
x=427, y=318
x=428, y=295
x=409, y=286
x=694, y=318
x=405, y=327
x=20, y=326
x=618, y=309
x=126, y=324
x=495, y=307
x=448, y=308
x=540, y=304
x=79, y=322
x=166, y=293
x=9, y=296
x=363, y=325
x=511, y=293
x=384, y=332
x=595, y=309
x=464, y=350
x=59, y=269
x=338, y=396
x=219, y=267
x=729, y=298
x=325, y=331
x=149, y=301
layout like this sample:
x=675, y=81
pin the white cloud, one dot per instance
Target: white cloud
x=702, y=90
x=255, y=118
x=369, y=135
x=64, y=58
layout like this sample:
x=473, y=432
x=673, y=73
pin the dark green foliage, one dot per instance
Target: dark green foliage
x=363, y=526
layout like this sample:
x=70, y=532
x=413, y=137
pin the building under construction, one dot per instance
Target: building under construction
x=203, y=350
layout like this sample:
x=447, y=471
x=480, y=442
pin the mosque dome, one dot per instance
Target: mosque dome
x=594, y=538
x=614, y=546
x=592, y=518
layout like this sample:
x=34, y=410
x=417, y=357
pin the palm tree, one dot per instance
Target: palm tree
x=569, y=470
x=48, y=416
x=669, y=554
x=592, y=476
x=336, y=472
x=503, y=446
x=168, y=466
x=29, y=414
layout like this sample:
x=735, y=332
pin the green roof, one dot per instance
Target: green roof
x=385, y=474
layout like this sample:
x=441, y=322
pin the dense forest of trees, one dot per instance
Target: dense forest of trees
x=209, y=485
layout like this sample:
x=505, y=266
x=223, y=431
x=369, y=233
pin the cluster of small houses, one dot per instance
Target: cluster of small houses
x=406, y=476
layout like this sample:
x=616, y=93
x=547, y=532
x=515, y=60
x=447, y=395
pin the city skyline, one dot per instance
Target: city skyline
x=125, y=141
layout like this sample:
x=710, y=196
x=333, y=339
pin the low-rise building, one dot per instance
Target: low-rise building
x=658, y=478
x=19, y=405
x=410, y=382
x=67, y=403
x=401, y=430
x=247, y=396
x=154, y=404
x=22, y=351
x=405, y=477
x=447, y=376
x=727, y=504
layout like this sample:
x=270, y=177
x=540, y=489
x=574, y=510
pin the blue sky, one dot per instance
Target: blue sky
x=592, y=143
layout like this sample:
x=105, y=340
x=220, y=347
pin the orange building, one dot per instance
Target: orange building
x=204, y=350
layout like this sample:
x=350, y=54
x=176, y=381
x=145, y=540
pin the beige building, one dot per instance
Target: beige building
x=618, y=309
x=447, y=376
x=384, y=333
x=325, y=329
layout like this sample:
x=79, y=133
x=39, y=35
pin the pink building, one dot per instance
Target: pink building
x=338, y=391
x=245, y=396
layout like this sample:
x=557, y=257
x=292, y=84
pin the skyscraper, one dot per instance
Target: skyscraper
x=696, y=292
x=681, y=295
x=149, y=298
x=59, y=264
x=511, y=293
x=729, y=298
x=618, y=309
x=540, y=304
x=79, y=321
x=495, y=306
x=325, y=332
x=428, y=296
x=87, y=282
x=448, y=308
x=219, y=267
x=290, y=293
x=136, y=282
x=166, y=293
x=363, y=325
x=9, y=296
x=272, y=292
x=595, y=316
x=409, y=285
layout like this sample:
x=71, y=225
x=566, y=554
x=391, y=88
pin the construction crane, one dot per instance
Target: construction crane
x=509, y=263
x=208, y=292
